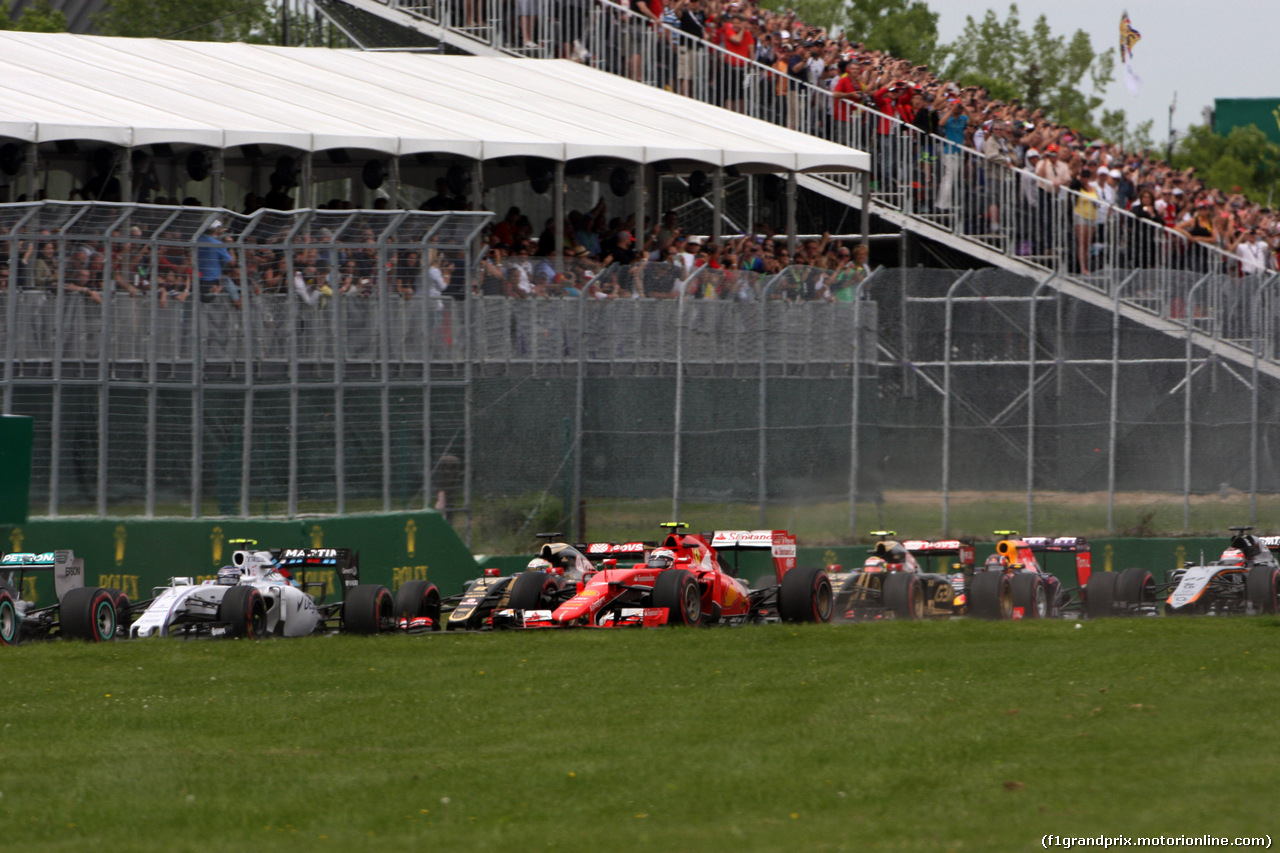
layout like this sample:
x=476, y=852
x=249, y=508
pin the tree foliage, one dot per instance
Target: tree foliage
x=1063, y=76
x=1244, y=158
x=906, y=29
x=36, y=18
x=208, y=20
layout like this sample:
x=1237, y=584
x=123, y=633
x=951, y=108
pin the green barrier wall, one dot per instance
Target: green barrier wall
x=136, y=554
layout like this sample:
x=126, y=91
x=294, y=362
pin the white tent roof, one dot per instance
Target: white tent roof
x=133, y=92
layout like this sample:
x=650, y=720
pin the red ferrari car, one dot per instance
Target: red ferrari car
x=690, y=580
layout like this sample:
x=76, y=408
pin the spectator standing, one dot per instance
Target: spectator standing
x=212, y=261
x=954, y=122
x=739, y=43
x=693, y=19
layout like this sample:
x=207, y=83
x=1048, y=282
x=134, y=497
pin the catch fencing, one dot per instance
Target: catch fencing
x=725, y=396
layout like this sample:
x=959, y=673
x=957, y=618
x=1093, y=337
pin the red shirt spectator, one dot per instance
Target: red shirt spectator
x=845, y=89
x=736, y=38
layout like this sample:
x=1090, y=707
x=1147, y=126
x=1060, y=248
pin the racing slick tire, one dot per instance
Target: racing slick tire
x=366, y=609
x=418, y=598
x=676, y=590
x=1135, y=591
x=88, y=613
x=991, y=596
x=532, y=591
x=1099, y=593
x=1029, y=594
x=122, y=612
x=806, y=596
x=10, y=619
x=245, y=613
x=903, y=595
x=1262, y=589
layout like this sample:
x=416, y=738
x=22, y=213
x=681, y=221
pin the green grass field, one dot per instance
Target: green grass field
x=508, y=526
x=957, y=735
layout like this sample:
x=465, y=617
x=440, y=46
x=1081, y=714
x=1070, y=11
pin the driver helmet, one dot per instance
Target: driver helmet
x=537, y=564
x=661, y=558
x=229, y=575
x=1232, y=557
x=875, y=564
x=996, y=563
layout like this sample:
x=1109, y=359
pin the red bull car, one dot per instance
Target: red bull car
x=691, y=579
x=895, y=580
x=1245, y=579
x=1013, y=583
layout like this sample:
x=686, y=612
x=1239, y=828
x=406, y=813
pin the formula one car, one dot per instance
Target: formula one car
x=267, y=593
x=81, y=612
x=892, y=583
x=1245, y=579
x=552, y=578
x=688, y=581
x=1012, y=584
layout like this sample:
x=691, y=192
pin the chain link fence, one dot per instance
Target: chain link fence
x=361, y=364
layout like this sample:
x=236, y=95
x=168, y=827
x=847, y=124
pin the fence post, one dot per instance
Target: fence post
x=1254, y=316
x=762, y=407
x=580, y=398
x=854, y=403
x=1115, y=403
x=1031, y=403
x=679, y=413
x=1186, y=412
x=946, y=404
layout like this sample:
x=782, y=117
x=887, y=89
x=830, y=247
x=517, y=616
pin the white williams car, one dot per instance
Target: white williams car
x=276, y=593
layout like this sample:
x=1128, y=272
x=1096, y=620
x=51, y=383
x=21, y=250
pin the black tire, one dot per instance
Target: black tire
x=904, y=595
x=366, y=609
x=1029, y=594
x=676, y=590
x=124, y=616
x=1135, y=590
x=532, y=591
x=88, y=613
x=806, y=596
x=991, y=596
x=10, y=619
x=1262, y=589
x=245, y=613
x=418, y=598
x=1099, y=593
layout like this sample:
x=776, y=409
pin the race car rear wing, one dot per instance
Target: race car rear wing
x=67, y=569
x=631, y=551
x=1077, y=545
x=342, y=561
x=780, y=543
x=961, y=549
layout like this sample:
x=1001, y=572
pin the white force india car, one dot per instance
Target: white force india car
x=267, y=593
x=1245, y=579
x=80, y=612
